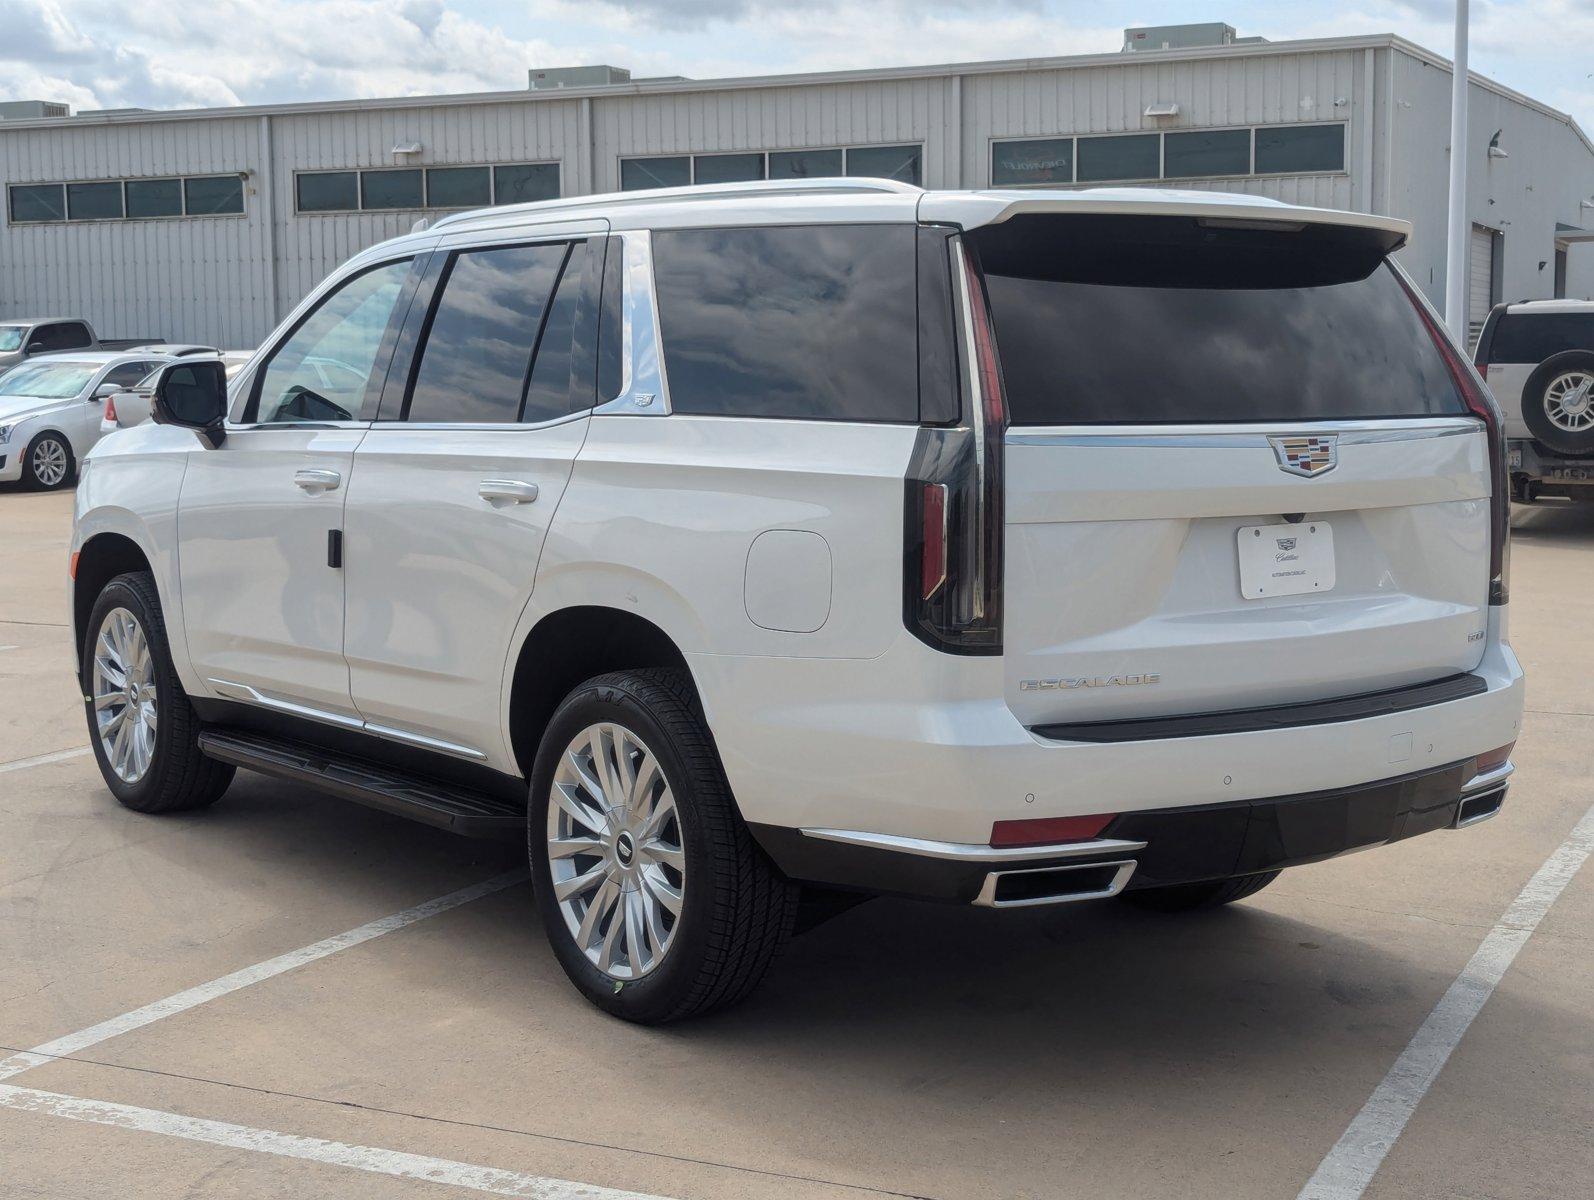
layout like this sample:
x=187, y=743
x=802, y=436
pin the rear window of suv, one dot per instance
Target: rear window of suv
x=815, y=321
x=1134, y=320
x=1533, y=337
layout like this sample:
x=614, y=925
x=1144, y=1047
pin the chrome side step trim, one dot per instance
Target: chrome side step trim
x=230, y=690
x=966, y=852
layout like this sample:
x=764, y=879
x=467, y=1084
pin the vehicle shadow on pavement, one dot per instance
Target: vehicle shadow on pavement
x=1552, y=521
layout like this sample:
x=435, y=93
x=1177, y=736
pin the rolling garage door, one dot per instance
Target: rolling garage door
x=1481, y=292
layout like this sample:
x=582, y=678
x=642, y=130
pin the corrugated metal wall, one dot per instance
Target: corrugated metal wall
x=227, y=279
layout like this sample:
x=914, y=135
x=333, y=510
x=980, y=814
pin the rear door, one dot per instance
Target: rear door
x=1239, y=472
x=456, y=482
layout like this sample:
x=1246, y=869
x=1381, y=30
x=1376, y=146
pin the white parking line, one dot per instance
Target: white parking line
x=39, y=760
x=1350, y=1166
x=192, y=997
x=342, y=1154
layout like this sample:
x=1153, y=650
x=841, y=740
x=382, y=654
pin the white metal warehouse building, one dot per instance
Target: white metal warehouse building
x=209, y=225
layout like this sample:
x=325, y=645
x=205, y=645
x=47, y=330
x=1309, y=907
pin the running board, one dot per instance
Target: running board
x=447, y=806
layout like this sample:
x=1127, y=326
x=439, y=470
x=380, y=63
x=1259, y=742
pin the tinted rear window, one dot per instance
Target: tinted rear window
x=1159, y=319
x=814, y=322
x=1532, y=338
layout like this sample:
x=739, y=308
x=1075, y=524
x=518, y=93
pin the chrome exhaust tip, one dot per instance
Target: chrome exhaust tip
x=1059, y=884
x=1472, y=810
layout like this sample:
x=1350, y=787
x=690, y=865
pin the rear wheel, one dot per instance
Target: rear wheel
x=1558, y=402
x=657, y=901
x=141, y=725
x=47, y=462
x=1186, y=897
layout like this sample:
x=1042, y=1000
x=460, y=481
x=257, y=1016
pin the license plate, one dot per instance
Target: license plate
x=1514, y=456
x=1286, y=560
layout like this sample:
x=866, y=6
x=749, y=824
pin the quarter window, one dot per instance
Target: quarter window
x=815, y=322
x=475, y=362
x=320, y=372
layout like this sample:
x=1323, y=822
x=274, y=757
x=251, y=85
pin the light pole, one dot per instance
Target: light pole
x=1458, y=227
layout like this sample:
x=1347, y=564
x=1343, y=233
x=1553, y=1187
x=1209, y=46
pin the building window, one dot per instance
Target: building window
x=213, y=195
x=727, y=168
x=1297, y=149
x=902, y=163
x=391, y=189
x=1206, y=152
x=639, y=174
x=1176, y=154
x=459, y=187
x=94, y=201
x=1046, y=160
x=328, y=191
x=38, y=202
x=805, y=164
x=520, y=183
x=154, y=197
x=1127, y=156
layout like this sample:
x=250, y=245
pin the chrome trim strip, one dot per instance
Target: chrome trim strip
x=966, y=852
x=1349, y=433
x=644, y=389
x=987, y=897
x=248, y=695
x=1488, y=781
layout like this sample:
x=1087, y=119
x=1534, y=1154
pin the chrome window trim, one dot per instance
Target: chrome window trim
x=644, y=386
x=1255, y=434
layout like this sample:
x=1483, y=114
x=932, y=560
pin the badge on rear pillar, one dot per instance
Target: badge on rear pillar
x=1307, y=456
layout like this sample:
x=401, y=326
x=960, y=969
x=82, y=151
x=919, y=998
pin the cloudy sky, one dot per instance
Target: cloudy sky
x=108, y=53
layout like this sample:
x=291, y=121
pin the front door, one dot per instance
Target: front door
x=455, y=486
x=260, y=516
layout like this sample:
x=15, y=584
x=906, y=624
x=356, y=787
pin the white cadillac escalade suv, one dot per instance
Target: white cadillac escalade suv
x=746, y=548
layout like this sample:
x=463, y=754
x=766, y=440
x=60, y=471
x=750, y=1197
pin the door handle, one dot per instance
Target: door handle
x=512, y=491
x=317, y=480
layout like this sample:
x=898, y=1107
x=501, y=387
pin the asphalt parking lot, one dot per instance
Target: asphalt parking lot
x=901, y=1049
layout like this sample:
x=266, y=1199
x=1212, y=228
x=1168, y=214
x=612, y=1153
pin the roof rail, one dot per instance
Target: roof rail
x=699, y=192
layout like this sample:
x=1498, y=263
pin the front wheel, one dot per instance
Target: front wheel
x=657, y=902
x=47, y=462
x=142, y=727
x=1188, y=897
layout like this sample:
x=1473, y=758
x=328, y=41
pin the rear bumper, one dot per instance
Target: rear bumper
x=1152, y=848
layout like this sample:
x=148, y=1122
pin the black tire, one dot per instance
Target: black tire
x=30, y=475
x=179, y=778
x=1579, y=443
x=1189, y=897
x=737, y=909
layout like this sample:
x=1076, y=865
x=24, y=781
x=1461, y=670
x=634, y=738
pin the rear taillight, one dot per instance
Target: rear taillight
x=110, y=408
x=1045, y=831
x=1475, y=395
x=952, y=576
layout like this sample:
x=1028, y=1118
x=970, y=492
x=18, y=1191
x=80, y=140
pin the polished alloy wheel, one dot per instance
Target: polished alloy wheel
x=125, y=707
x=616, y=854
x=49, y=462
x=1569, y=401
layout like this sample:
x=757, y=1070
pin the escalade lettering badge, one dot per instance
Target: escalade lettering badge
x=1306, y=456
x=1070, y=683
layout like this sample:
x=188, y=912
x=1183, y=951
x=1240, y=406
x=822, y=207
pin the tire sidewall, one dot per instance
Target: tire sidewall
x=1533, y=395
x=32, y=480
x=121, y=593
x=657, y=993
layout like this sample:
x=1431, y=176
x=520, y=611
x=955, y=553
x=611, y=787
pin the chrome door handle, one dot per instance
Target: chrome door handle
x=317, y=481
x=512, y=491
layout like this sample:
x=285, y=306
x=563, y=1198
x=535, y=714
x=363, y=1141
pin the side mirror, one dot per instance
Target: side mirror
x=194, y=396
x=35, y=348
x=104, y=390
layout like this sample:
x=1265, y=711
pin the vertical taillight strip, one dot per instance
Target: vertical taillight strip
x=1475, y=395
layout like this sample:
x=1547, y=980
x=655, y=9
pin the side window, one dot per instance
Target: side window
x=127, y=374
x=72, y=335
x=548, y=396
x=817, y=322
x=1533, y=337
x=49, y=338
x=476, y=353
x=321, y=370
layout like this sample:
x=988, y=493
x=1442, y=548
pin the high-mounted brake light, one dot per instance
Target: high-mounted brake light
x=1475, y=395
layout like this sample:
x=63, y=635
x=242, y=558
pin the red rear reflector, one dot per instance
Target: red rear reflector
x=932, y=560
x=110, y=408
x=1494, y=758
x=71, y=569
x=1045, y=831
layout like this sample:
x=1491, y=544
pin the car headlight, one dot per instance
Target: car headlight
x=5, y=434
